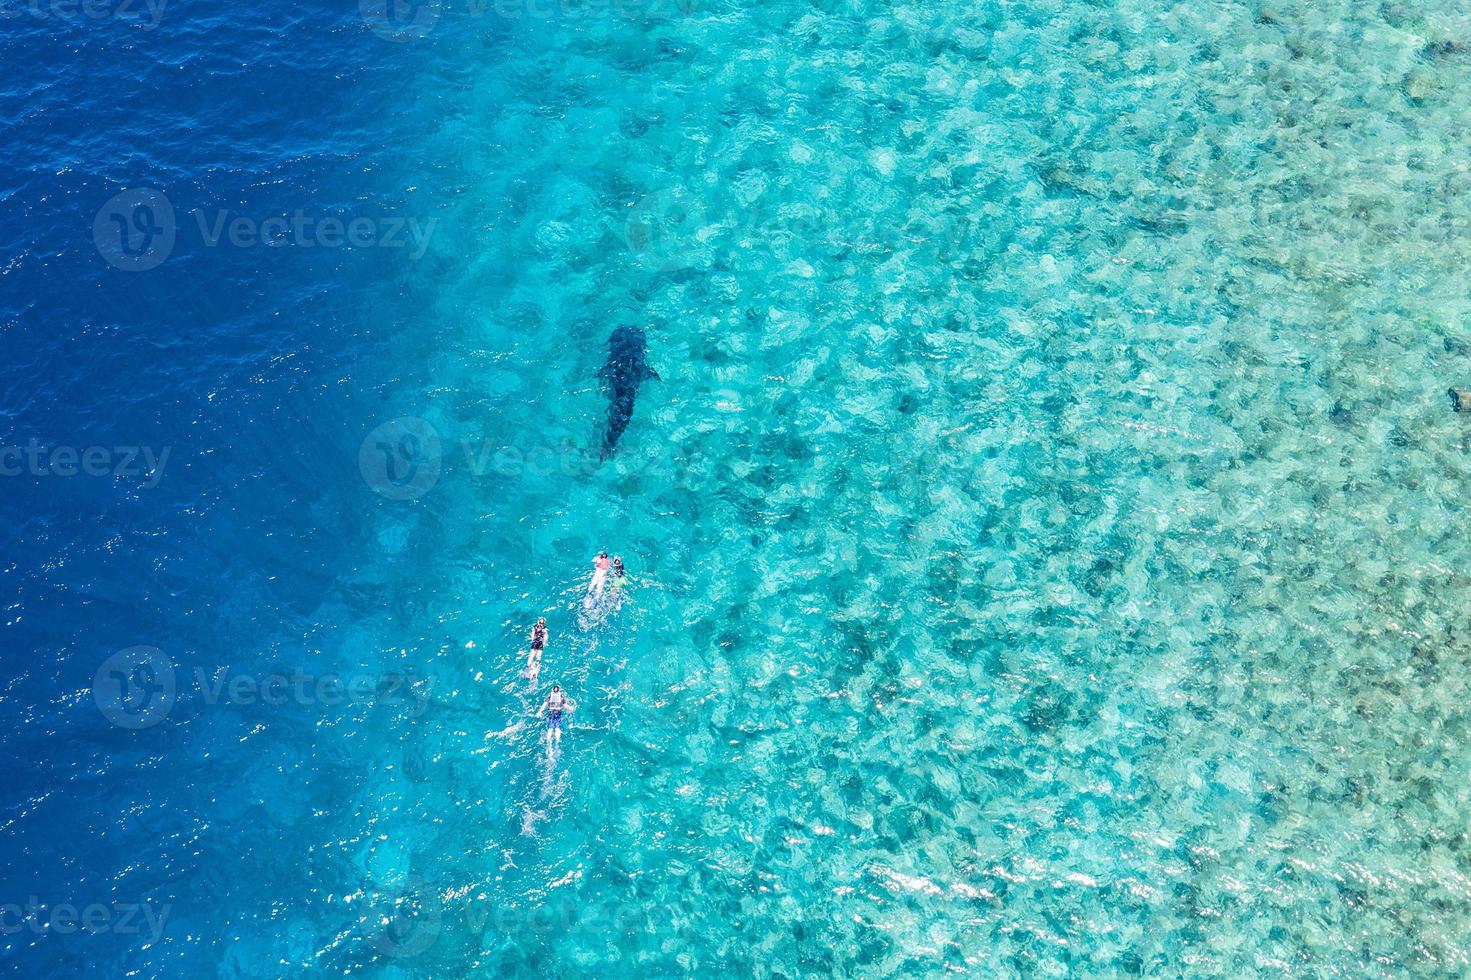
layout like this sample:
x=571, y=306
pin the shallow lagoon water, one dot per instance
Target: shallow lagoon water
x=1048, y=524
x=1045, y=540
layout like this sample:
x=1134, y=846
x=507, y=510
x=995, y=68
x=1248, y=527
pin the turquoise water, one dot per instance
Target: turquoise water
x=1046, y=540
x=1047, y=533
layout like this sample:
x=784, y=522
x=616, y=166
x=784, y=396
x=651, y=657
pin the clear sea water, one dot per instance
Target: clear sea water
x=1047, y=541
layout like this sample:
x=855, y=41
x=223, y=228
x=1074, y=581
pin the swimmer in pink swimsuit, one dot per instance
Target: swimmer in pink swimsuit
x=600, y=565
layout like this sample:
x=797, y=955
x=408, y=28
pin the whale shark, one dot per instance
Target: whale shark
x=626, y=370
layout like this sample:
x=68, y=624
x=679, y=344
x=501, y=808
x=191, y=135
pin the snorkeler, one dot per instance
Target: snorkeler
x=599, y=575
x=538, y=643
x=620, y=580
x=553, y=707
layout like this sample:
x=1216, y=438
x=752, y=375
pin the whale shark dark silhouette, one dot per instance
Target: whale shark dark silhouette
x=626, y=370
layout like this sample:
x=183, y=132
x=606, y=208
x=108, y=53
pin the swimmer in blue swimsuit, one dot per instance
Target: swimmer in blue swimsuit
x=554, y=707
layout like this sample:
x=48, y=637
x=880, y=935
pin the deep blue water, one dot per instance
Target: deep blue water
x=247, y=366
x=1044, y=539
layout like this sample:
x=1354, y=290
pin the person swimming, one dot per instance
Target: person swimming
x=620, y=580
x=554, y=707
x=538, y=643
x=599, y=575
